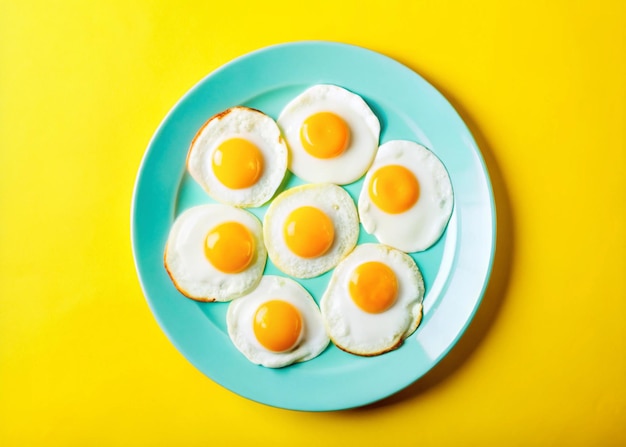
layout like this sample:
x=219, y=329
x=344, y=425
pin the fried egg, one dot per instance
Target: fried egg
x=332, y=135
x=239, y=157
x=373, y=301
x=308, y=229
x=406, y=200
x=277, y=324
x=215, y=252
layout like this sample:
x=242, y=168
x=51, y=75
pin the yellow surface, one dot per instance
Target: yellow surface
x=83, y=85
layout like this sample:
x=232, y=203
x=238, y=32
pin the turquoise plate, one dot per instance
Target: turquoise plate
x=456, y=269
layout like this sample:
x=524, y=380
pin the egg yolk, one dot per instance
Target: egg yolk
x=229, y=247
x=237, y=163
x=277, y=325
x=324, y=135
x=394, y=189
x=373, y=287
x=308, y=232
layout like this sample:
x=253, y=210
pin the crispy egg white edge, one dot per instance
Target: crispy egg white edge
x=201, y=281
x=418, y=228
x=314, y=338
x=336, y=202
x=250, y=124
x=364, y=134
x=345, y=321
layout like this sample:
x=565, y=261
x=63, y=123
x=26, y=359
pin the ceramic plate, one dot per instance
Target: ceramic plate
x=455, y=270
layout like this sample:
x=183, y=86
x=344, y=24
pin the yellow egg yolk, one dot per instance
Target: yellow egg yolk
x=308, y=232
x=324, y=135
x=277, y=325
x=373, y=287
x=237, y=163
x=394, y=189
x=230, y=247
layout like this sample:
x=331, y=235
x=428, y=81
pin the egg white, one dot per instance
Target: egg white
x=336, y=203
x=367, y=334
x=185, y=261
x=254, y=126
x=364, y=133
x=240, y=319
x=421, y=226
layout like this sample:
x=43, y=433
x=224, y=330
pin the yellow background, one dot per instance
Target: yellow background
x=83, y=85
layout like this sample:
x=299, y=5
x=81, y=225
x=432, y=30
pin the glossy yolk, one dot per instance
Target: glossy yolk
x=324, y=135
x=277, y=325
x=394, y=189
x=237, y=163
x=308, y=232
x=373, y=287
x=229, y=247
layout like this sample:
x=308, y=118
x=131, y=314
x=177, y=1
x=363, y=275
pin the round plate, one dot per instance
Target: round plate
x=455, y=270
